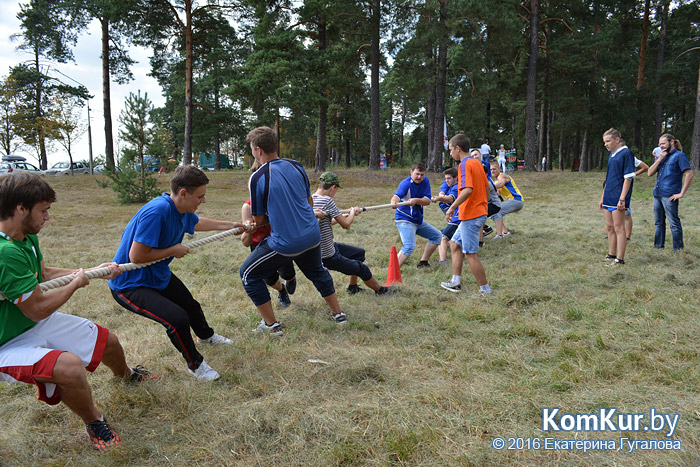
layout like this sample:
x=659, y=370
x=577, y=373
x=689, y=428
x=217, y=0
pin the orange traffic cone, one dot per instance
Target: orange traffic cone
x=393, y=276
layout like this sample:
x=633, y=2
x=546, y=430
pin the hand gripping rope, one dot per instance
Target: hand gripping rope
x=101, y=272
x=379, y=206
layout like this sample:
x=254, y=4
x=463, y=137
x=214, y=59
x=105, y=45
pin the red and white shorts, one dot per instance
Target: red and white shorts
x=34, y=352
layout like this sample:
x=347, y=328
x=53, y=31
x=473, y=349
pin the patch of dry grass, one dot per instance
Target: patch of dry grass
x=422, y=377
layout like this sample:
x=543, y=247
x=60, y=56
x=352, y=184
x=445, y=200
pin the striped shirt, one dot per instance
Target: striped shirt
x=327, y=205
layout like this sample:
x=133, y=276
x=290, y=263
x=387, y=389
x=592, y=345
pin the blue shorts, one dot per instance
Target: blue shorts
x=449, y=230
x=467, y=234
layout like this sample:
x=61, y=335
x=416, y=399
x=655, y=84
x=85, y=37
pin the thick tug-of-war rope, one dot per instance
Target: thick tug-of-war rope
x=379, y=206
x=101, y=272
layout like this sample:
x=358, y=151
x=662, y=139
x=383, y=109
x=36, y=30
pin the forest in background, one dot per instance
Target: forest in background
x=346, y=80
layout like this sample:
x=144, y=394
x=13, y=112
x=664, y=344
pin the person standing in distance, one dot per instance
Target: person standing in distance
x=672, y=183
x=617, y=194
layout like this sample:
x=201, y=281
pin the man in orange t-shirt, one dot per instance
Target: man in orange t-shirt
x=472, y=203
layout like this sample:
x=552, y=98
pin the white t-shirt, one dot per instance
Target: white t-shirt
x=485, y=149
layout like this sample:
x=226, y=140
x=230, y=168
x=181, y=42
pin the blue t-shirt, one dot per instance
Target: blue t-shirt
x=669, y=180
x=407, y=190
x=620, y=168
x=445, y=188
x=280, y=189
x=160, y=225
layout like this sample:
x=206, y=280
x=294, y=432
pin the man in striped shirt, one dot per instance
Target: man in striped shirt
x=348, y=259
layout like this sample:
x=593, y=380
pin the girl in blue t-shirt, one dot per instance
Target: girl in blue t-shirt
x=617, y=194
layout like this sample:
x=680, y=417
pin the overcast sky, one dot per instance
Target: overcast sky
x=86, y=70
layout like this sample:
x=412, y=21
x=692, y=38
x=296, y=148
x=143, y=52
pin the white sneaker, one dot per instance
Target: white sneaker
x=205, y=373
x=216, y=339
x=451, y=286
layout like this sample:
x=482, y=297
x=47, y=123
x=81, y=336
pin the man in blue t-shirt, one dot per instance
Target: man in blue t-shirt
x=672, y=184
x=281, y=196
x=448, y=193
x=409, y=219
x=155, y=233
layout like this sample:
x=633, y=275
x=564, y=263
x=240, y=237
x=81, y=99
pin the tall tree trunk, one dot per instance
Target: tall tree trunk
x=640, y=77
x=541, y=134
x=583, y=167
x=375, y=135
x=561, y=147
x=550, y=143
x=39, y=131
x=106, y=96
x=695, y=149
x=347, y=152
x=403, y=125
x=187, y=144
x=346, y=132
x=658, y=115
x=530, y=111
x=323, y=109
x=390, y=147
x=217, y=132
x=321, y=136
x=430, y=117
x=437, y=156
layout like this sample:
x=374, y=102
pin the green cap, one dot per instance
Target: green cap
x=329, y=178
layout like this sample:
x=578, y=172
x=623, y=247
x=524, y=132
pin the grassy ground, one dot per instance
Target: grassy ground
x=423, y=377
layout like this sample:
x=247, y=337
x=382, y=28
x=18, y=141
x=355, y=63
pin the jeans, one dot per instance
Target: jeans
x=408, y=232
x=664, y=208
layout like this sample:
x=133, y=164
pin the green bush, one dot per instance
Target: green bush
x=131, y=186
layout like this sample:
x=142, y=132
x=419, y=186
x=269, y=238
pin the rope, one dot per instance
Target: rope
x=101, y=272
x=379, y=206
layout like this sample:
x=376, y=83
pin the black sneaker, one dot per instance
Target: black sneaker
x=291, y=286
x=610, y=257
x=139, y=374
x=423, y=264
x=385, y=291
x=353, y=289
x=284, y=297
x=102, y=436
x=487, y=230
x=481, y=244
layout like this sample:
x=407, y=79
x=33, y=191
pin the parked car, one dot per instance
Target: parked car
x=101, y=168
x=63, y=168
x=151, y=163
x=11, y=167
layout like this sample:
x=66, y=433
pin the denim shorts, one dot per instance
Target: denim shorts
x=467, y=234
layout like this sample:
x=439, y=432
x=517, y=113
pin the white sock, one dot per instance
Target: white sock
x=485, y=288
x=456, y=279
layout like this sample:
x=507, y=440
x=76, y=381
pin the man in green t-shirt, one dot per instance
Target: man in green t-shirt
x=39, y=345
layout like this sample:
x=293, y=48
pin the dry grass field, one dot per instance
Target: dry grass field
x=421, y=377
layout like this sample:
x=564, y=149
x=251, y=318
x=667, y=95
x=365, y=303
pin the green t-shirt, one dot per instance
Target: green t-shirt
x=20, y=272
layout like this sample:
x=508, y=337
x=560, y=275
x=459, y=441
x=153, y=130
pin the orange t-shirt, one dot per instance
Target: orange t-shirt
x=471, y=175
